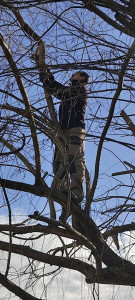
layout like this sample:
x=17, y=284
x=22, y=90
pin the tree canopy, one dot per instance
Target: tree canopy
x=98, y=37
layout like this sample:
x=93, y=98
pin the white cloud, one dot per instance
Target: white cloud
x=68, y=284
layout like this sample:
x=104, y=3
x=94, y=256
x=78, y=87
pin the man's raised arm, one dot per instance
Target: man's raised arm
x=46, y=77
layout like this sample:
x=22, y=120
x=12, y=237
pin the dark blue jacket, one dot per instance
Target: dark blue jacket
x=73, y=102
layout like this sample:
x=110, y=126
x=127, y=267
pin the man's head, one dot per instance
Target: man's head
x=81, y=76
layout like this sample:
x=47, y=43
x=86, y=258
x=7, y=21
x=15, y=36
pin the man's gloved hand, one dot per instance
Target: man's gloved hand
x=39, y=58
x=39, y=55
x=43, y=75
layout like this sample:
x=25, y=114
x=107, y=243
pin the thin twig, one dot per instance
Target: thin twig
x=15, y=151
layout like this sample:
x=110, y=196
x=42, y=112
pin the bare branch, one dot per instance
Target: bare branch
x=115, y=7
x=40, y=190
x=119, y=229
x=123, y=173
x=70, y=263
x=27, y=106
x=12, y=287
x=115, y=275
x=129, y=165
x=107, y=255
x=112, y=107
x=17, y=229
x=128, y=121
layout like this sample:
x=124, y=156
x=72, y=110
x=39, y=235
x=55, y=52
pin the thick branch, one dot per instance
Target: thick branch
x=38, y=229
x=107, y=19
x=91, y=231
x=69, y=263
x=113, y=5
x=42, y=191
x=78, y=236
x=15, y=289
x=114, y=275
x=119, y=229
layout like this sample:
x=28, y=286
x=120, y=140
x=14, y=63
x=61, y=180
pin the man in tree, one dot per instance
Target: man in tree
x=71, y=119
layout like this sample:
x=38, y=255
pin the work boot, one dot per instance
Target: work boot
x=62, y=217
x=74, y=198
x=76, y=224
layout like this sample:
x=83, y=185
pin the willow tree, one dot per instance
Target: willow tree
x=99, y=38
